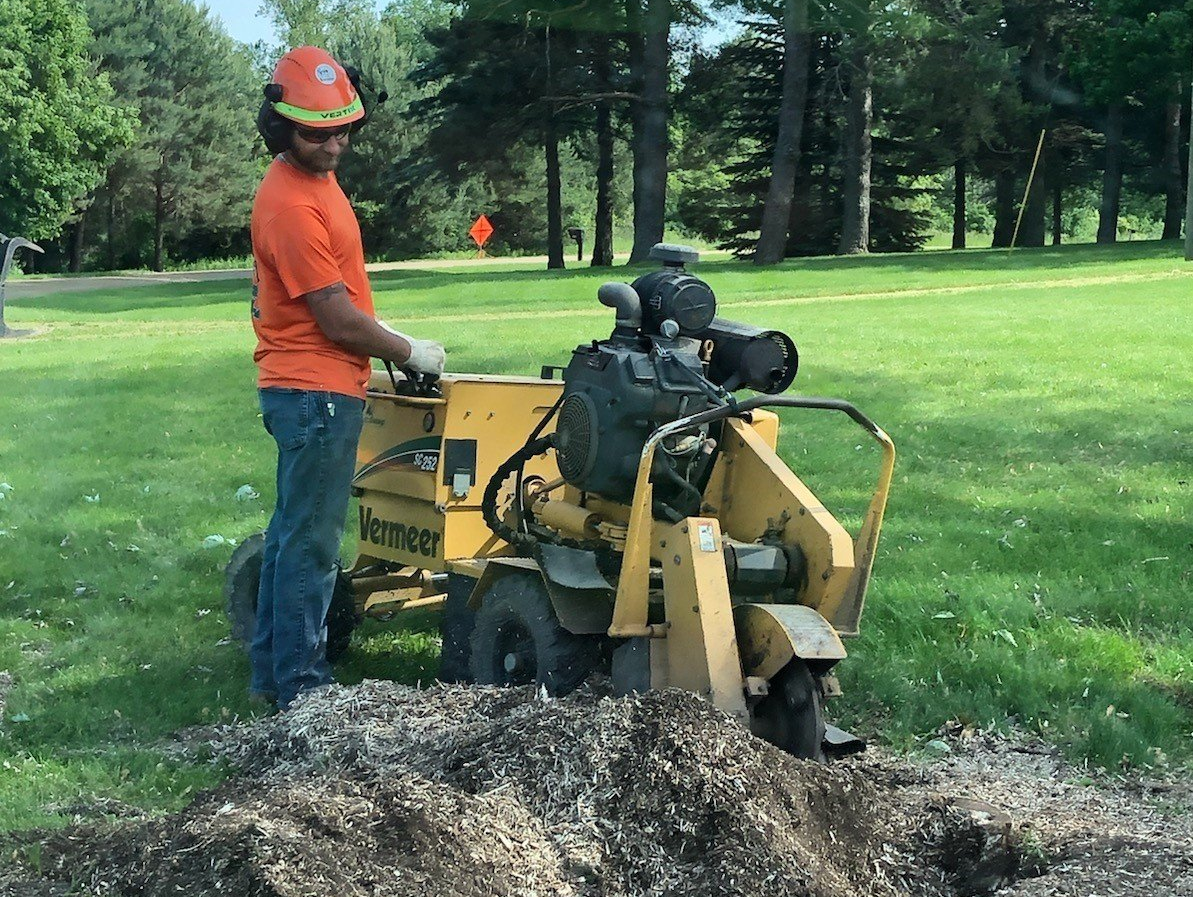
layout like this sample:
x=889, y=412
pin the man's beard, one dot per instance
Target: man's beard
x=315, y=160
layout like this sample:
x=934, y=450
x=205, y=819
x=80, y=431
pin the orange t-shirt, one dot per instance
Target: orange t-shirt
x=305, y=238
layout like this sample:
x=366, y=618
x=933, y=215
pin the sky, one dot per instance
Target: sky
x=244, y=22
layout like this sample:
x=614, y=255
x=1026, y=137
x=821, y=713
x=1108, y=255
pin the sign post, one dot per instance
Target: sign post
x=480, y=232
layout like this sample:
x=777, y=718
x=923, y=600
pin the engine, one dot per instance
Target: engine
x=669, y=356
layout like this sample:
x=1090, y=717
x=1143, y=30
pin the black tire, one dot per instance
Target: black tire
x=455, y=630
x=242, y=579
x=791, y=716
x=341, y=618
x=516, y=622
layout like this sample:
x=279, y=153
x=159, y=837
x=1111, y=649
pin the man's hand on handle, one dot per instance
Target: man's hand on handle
x=426, y=356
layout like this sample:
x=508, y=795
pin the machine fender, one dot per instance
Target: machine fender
x=581, y=611
x=770, y=635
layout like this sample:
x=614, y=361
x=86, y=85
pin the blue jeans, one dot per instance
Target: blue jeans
x=316, y=434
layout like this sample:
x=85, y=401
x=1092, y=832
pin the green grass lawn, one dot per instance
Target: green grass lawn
x=1035, y=566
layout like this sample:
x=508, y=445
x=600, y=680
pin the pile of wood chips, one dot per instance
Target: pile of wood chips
x=383, y=789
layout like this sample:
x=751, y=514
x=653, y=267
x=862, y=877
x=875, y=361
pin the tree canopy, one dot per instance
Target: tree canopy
x=785, y=127
x=60, y=124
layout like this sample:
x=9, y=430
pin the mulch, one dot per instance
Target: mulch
x=383, y=789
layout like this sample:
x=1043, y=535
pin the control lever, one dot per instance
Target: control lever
x=416, y=383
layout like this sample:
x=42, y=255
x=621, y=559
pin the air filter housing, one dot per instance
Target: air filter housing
x=749, y=357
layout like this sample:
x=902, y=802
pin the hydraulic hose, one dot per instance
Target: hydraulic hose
x=534, y=434
x=514, y=462
x=534, y=533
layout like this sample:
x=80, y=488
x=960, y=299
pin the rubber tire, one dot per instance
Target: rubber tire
x=455, y=630
x=242, y=579
x=791, y=716
x=516, y=607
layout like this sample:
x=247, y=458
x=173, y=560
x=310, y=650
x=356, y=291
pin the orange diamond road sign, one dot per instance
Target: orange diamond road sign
x=480, y=231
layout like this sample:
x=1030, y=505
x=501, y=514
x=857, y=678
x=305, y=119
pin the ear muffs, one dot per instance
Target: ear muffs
x=273, y=128
x=357, y=80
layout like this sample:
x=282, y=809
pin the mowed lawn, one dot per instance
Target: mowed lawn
x=1035, y=568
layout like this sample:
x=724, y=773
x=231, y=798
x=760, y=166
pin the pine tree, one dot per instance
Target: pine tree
x=192, y=164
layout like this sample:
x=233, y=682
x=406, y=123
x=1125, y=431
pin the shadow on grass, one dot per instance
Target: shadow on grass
x=1080, y=498
x=204, y=682
x=181, y=296
x=963, y=263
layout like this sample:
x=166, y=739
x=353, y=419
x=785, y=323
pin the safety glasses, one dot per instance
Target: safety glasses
x=322, y=135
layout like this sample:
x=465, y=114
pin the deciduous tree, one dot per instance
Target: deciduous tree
x=61, y=120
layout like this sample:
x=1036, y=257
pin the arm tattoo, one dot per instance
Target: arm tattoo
x=324, y=294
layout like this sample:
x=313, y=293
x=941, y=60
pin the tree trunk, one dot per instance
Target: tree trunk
x=602, y=238
x=635, y=47
x=1174, y=199
x=77, y=237
x=111, y=230
x=776, y=213
x=1057, y=209
x=859, y=117
x=959, y=230
x=650, y=139
x=1189, y=199
x=1112, y=176
x=554, y=200
x=159, y=224
x=1035, y=211
x=1004, y=208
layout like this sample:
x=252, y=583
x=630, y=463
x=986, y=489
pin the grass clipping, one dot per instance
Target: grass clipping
x=382, y=789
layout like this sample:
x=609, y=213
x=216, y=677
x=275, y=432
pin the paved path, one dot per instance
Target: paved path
x=33, y=287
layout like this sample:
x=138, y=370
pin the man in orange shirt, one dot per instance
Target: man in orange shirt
x=313, y=315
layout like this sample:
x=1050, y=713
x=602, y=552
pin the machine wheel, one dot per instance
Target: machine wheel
x=242, y=578
x=455, y=630
x=791, y=716
x=517, y=640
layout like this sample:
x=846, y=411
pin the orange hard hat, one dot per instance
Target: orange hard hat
x=315, y=89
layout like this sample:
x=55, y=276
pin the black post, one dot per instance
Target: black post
x=577, y=234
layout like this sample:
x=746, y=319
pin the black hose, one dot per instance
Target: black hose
x=514, y=462
x=535, y=533
x=662, y=509
x=693, y=494
x=534, y=434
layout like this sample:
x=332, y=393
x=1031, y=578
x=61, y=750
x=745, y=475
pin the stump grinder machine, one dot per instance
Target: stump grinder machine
x=632, y=518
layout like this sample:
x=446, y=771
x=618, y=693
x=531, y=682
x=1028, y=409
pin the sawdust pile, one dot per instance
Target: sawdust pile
x=381, y=789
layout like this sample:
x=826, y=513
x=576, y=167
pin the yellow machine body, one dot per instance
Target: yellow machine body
x=423, y=466
x=423, y=463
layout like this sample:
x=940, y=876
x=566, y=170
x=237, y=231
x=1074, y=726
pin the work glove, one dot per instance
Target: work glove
x=426, y=356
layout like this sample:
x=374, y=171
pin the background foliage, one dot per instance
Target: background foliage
x=60, y=121
x=480, y=91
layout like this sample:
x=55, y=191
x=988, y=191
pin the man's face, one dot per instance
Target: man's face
x=318, y=150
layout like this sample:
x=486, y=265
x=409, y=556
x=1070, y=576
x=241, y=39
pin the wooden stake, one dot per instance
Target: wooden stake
x=1027, y=192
